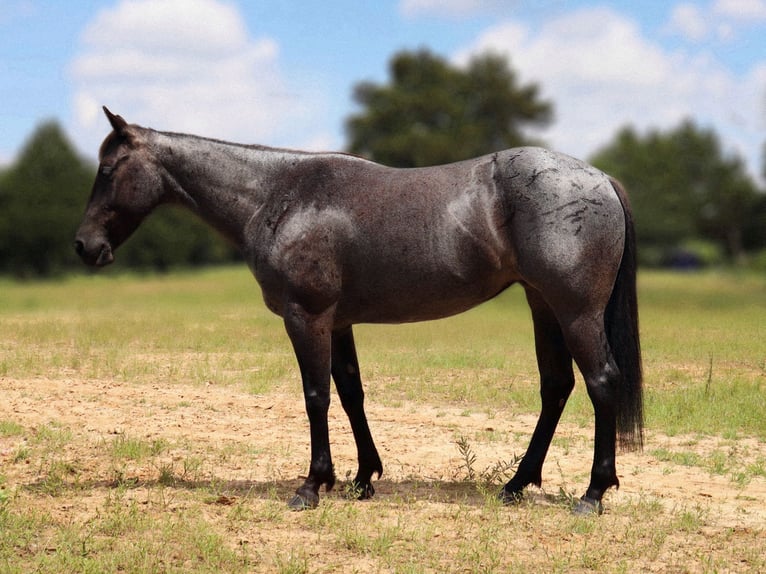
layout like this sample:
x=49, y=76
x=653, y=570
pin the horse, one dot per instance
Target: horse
x=335, y=240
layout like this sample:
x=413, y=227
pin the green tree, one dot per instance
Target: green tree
x=683, y=188
x=41, y=200
x=433, y=112
x=172, y=237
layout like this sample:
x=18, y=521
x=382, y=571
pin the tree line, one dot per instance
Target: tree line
x=694, y=204
x=42, y=200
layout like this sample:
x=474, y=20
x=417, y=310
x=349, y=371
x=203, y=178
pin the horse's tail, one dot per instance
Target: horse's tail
x=621, y=322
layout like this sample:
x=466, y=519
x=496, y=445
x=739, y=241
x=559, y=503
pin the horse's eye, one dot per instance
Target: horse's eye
x=106, y=170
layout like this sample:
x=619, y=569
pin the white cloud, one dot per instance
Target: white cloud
x=689, y=21
x=602, y=73
x=449, y=8
x=721, y=20
x=182, y=65
x=746, y=11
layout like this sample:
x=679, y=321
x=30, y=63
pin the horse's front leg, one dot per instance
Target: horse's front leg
x=311, y=336
x=345, y=372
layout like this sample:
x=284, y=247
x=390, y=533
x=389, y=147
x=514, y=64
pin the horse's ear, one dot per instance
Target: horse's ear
x=118, y=123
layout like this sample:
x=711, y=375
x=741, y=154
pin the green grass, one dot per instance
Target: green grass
x=702, y=334
x=704, y=353
x=135, y=328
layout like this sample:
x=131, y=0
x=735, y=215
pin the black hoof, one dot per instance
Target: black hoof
x=303, y=501
x=511, y=498
x=588, y=507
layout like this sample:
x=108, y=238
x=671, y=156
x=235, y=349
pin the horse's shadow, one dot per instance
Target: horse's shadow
x=229, y=492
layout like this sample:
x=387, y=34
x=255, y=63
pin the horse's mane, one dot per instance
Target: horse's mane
x=113, y=136
x=257, y=147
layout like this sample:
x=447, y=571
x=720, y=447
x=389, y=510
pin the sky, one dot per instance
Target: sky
x=282, y=72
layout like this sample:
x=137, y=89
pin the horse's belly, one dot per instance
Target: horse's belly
x=453, y=268
x=406, y=298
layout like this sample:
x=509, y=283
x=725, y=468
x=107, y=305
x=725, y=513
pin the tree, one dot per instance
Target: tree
x=433, y=112
x=41, y=201
x=173, y=237
x=42, y=198
x=683, y=187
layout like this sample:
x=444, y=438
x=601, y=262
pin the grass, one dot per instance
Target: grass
x=138, y=503
x=702, y=338
x=135, y=329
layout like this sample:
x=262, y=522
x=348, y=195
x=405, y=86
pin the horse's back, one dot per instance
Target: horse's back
x=393, y=245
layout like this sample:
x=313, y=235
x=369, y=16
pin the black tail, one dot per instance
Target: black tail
x=621, y=321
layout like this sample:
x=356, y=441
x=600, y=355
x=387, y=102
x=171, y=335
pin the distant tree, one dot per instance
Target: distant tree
x=42, y=198
x=432, y=112
x=683, y=187
x=41, y=201
x=172, y=237
x=755, y=227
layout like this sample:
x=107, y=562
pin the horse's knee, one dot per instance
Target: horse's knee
x=317, y=404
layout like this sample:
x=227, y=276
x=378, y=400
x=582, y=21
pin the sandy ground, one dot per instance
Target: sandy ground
x=416, y=443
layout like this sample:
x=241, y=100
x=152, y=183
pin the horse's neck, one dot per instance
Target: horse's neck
x=225, y=184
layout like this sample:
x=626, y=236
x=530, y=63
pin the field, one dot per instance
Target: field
x=155, y=424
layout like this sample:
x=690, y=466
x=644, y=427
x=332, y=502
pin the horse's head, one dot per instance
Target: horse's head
x=127, y=187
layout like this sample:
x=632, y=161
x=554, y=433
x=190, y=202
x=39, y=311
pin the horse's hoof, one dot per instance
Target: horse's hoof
x=588, y=507
x=303, y=501
x=511, y=498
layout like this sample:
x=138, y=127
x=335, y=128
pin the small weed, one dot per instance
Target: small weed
x=499, y=471
x=757, y=468
x=351, y=490
x=53, y=436
x=57, y=478
x=167, y=475
x=240, y=513
x=685, y=458
x=4, y=495
x=718, y=463
x=191, y=468
x=124, y=447
x=23, y=454
x=292, y=563
x=565, y=498
x=689, y=520
x=10, y=428
x=468, y=456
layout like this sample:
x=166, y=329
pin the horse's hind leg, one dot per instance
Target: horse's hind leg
x=345, y=373
x=556, y=383
x=586, y=339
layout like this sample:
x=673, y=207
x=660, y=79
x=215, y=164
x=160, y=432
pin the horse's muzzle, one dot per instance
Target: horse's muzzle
x=99, y=255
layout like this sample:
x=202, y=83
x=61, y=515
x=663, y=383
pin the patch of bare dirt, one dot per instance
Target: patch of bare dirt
x=416, y=442
x=260, y=444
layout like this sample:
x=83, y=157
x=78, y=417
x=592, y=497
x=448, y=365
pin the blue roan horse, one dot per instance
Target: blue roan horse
x=335, y=240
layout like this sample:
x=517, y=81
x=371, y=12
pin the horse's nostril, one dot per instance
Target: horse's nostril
x=79, y=246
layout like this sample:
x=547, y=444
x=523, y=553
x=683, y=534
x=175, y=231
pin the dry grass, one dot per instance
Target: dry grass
x=155, y=425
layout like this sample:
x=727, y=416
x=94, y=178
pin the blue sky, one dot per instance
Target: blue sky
x=282, y=72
